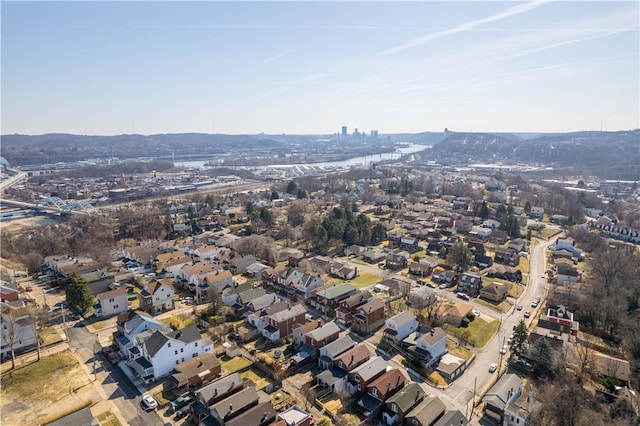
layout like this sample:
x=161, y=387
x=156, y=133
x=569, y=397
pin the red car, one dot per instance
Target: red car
x=527, y=314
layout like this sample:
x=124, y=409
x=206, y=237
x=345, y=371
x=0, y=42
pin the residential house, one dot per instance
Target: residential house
x=328, y=299
x=451, y=366
x=301, y=284
x=369, y=316
x=441, y=276
x=329, y=352
x=452, y=312
x=452, y=418
x=409, y=243
x=259, y=303
x=157, y=296
x=300, y=332
x=395, y=261
x=374, y=256
x=429, y=261
x=190, y=273
x=347, y=307
x=295, y=416
x=234, y=405
x=506, y=256
x=361, y=376
x=281, y=324
x=320, y=336
x=416, y=268
x=428, y=413
x=195, y=372
x=244, y=298
x=353, y=358
x=230, y=294
x=162, y=351
x=566, y=274
x=173, y=266
x=400, y=404
x=217, y=280
x=111, y=302
x=509, y=273
x=260, y=319
x=494, y=292
x=482, y=261
x=215, y=392
x=505, y=391
x=559, y=319
x=261, y=414
x=399, y=326
x=536, y=212
x=17, y=329
x=427, y=344
x=239, y=264
x=343, y=270
x=378, y=391
x=128, y=326
x=470, y=284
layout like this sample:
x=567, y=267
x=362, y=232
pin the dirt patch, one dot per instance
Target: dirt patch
x=37, y=390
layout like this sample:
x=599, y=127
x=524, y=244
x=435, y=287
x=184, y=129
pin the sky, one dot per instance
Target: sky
x=239, y=67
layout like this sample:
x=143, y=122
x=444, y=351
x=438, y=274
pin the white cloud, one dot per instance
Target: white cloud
x=278, y=56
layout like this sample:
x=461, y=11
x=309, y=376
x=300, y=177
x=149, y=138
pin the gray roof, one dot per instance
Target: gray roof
x=252, y=294
x=428, y=410
x=187, y=335
x=371, y=368
x=452, y=418
x=235, y=402
x=498, y=395
x=336, y=291
x=220, y=386
x=155, y=342
x=332, y=375
x=403, y=317
x=285, y=314
x=408, y=397
x=264, y=301
x=262, y=413
x=325, y=331
x=339, y=346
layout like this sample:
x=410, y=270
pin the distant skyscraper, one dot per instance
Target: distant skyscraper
x=344, y=131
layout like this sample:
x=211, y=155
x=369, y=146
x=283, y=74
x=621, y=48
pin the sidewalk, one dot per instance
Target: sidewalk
x=31, y=357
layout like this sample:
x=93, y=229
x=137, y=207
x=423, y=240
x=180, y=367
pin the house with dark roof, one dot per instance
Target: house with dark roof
x=427, y=413
x=506, y=256
x=427, y=345
x=232, y=406
x=505, y=391
x=343, y=270
x=215, y=392
x=347, y=307
x=353, y=358
x=451, y=418
x=128, y=326
x=400, y=404
x=160, y=351
x=301, y=330
x=239, y=264
x=361, y=376
x=378, y=391
x=195, y=372
x=260, y=319
x=369, y=317
x=282, y=323
x=470, y=284
x=328, y=299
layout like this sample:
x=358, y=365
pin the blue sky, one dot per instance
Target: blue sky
x=310, y=67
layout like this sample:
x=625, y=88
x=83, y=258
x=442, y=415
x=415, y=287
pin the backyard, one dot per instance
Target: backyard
x=179, y=321
x=231, y=365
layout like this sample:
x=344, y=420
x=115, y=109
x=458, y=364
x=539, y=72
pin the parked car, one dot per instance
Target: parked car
x=182, y=412
x=503, y=350
x=149, y=403
x=476, y=312
x=534, y=304
x=180, y=402
x=519, y=307
x=493, y=367
x=527, y=314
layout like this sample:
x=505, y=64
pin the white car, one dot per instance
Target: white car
x=442, y=286
x=493, y=367
x=149, y=402
x=503, y=350
x=476, y=312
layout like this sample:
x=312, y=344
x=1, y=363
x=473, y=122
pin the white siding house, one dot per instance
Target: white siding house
x=111, y=303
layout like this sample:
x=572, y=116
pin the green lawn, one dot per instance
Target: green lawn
x=365, y=279
x=479, y=331
x=235, y=364
x=179, y=321
x=256, y=378
x=459, y=351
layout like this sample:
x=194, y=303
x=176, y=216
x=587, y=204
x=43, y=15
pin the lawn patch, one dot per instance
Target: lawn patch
x=238, y=363
x=178, y=322
x=108, y=419
x=477, y=333
x=50, y=336
x=459, y=351
x=365, y=279
x=256, y=377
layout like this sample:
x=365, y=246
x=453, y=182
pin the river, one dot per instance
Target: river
x=362, y=160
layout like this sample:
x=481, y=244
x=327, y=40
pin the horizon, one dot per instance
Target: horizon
x=308, y=68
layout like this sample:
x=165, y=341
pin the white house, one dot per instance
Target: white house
x=17, y=329
x=429, y=345
x=128, y=326
x=111, y=303
x=162, y=351
x=303, y=284
x=399, y=326
x=157, y=296
x=217, y=280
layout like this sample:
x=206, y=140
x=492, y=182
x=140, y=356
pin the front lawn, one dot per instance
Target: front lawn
x=235, y=364
x=459, y=351
x=477, y=333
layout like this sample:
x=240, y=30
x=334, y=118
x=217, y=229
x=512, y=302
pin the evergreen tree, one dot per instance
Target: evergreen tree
x=519, y=338
x=483, y=213
x=527, y=207
x=79, y=295
x=249, y=208
x=274, y=195
x=541, y=353
x=292, y=188
x=378, y=234
x=460, y=256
